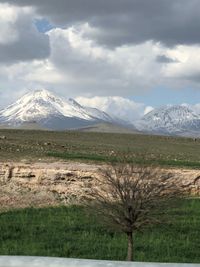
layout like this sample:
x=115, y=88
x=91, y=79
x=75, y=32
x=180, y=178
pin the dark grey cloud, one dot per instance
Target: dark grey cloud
x=165, y=59
x=24, y=50
x=192, y=77
x=121, y=22
x=29, y=44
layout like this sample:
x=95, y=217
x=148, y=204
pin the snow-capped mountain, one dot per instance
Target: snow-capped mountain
x=175, y=120
x=50, y=111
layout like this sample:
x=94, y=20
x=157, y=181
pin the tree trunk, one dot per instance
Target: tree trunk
x=130, y=247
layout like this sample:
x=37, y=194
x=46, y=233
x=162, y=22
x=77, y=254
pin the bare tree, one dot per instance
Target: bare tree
x=127, y=196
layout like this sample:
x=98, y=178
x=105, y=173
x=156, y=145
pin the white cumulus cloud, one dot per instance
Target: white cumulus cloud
x=118, y=107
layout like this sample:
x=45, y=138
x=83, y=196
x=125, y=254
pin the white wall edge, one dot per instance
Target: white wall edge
x=21, y=261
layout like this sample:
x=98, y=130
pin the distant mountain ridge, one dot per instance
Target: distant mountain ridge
x=171, y=120
x=51, y=112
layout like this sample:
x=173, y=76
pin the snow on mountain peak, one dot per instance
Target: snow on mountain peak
x=57, y=113
x=169, y=119
x=177, y=113
x=42, y=104
x=31, y=106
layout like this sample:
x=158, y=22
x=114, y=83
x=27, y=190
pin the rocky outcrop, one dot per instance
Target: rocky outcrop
x=42, y=184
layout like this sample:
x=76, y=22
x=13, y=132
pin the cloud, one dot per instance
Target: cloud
x=19, y=39
x=164, y=59
x=187, y=65
x=8, y=16
x=148, y=109
x=99, y=48
x=100, y=70
x=118, y=107
x=78, y=66
x=120, y=22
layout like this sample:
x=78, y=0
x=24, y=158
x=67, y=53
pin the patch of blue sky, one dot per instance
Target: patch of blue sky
x=43, y=25
x=162, y=96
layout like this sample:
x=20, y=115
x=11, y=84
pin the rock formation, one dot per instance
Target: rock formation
x=42, y=184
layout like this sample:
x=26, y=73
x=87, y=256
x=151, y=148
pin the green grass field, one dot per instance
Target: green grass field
x=98, y=147
x=69, y=232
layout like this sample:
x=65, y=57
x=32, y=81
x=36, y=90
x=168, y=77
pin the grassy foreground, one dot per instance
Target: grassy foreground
x=68, y=232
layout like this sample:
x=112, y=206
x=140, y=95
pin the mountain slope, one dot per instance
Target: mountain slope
x=175, y=120
x=107, y=127
x=50, y=111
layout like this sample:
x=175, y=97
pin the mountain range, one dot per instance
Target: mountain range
x=49, y=111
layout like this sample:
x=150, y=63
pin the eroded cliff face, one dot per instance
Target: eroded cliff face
x=42, y=184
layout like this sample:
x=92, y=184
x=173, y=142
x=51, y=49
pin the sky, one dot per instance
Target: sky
x=143, y=51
